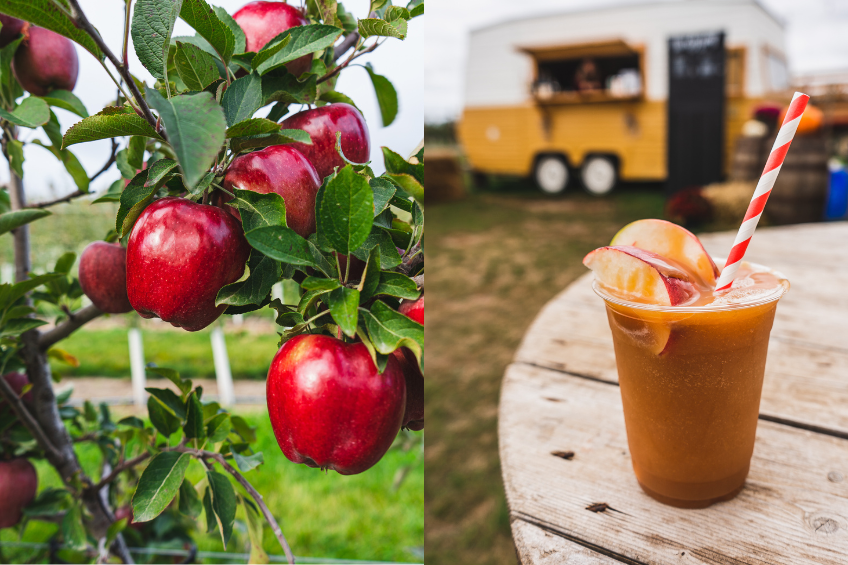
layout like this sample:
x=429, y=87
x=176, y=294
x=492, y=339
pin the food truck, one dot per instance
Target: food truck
x=643, y=92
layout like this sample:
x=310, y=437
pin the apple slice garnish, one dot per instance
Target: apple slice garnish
x=640, y=275
x=653, y=336
x=671, y=241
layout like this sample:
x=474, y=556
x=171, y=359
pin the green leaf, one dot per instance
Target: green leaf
x=194, y=427
x=282, y=244
x=316, y=283
x=397, y=285
x=383, y=193
x=253, y=126
x=49, y=501
x=243, y=429
x=66, y=100
x=281, y=137
x=346, y=211
x=10, y=89
x=271, y=48
x=370, y=275
x=369, y=27
x=396, y=13
x=196, y=128
x=242, y=99
x=170, y=400
x=395, y=164
x=158, y=484
x=132, y=422
x=53, y=130
x=389, y=330
x=140, y=192
x=65, y=262
x=47, y=14
x=207, y=22
x=304, y=41
x=112, y=121
x=287, y=89
x=218, y=428
x=17, y=218
x=410, y=185
x=30, y=113
x=255, y=531
x=416, y=8
x=377, y=4
x=20, y=325
x=223, y=503
x=16, y=156
x=247, y=463
x=259, y=210
x=389, y=258
x=73, y=531
x=135, y=152
x=9, y=293
x=264, y=273
x=196, y=67
x=189, y=502
x=334, y=97
x=386, y=94
x=161, y=418
x=235, y=29
x=344, y=305
x=152, y=25
x=114, y=529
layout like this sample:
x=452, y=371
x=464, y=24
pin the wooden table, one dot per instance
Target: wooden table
x=571, y=491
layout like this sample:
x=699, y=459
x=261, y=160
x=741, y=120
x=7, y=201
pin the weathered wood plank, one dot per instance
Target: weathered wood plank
x=535, y=546
x=793, y=511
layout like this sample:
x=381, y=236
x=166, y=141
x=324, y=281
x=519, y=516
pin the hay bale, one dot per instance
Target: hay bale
x=443, y=175
x=729, y=199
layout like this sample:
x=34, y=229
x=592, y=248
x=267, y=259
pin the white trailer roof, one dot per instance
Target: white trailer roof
x=499, y=74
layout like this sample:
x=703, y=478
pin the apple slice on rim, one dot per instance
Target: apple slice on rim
x=671, y=241
x=640, y=275
x=653, y=336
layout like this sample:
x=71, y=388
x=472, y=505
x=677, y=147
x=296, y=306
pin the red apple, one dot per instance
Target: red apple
x=322, y=124
x=11, y=29
x=330, y=407
x=281, y=169
x=640, y=275
x=413, y=309
x=17, y=381
x=413, y=416
x=45, y=61
x=357, y=266
x=179, y=255
x=18, y=484
x=263, y=21
x=103, y=276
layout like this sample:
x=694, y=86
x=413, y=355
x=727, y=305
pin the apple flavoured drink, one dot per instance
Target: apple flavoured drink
x=690, y=360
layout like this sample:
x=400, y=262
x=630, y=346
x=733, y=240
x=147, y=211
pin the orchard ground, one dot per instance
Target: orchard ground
x=496, y=258
x=323, y=515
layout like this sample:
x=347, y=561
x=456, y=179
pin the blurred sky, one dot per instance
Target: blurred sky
x=816, y=38
x=399, y=61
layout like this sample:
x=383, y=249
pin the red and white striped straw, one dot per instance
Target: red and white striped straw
x=764, y=186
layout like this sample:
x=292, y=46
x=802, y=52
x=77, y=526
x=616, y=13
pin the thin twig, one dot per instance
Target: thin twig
x=412, y=260
x=249, y=488
x=66, y=328
x=343, y=47
x=27, y=418
x=120, y=468
x=81, y=22
x=348, y=61
x=66, y=198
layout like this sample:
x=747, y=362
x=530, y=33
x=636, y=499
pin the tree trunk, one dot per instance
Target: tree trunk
x=46, y=411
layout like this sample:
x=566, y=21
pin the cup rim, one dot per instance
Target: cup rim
x=759, y=301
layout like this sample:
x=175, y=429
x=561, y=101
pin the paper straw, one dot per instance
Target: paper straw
x=764, y=186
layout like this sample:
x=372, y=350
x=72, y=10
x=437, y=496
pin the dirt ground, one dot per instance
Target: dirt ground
x=493, y=261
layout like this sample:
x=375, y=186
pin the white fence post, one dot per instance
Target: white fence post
x=226, y=396
x=7, y=273
x=137, y=366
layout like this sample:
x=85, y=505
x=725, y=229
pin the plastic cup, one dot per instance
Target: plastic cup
x=691, y=380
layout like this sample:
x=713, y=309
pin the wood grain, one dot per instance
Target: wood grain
x=542, y=547
x=789, y=513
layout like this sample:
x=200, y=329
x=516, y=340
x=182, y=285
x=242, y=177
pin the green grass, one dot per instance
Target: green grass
x=105, y=352
x=322, y=515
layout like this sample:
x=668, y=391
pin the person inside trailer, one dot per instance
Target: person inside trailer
x=586, y=78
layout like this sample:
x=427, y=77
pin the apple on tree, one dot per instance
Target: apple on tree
x=18, y=484
x=330, y=407
x=413, y=309
x=11, y=29
x=281, y=169
x=262, y=21
x=322, y=124
x=413, y=415
x=103, y=276
x=179, y=255
x=45, y=61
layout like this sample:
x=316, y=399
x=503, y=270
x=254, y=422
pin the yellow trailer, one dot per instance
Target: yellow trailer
x=584, y=94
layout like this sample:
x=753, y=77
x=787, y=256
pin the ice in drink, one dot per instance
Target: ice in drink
x=690, y=361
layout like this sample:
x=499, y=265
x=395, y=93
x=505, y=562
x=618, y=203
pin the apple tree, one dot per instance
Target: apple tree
x=216, y=206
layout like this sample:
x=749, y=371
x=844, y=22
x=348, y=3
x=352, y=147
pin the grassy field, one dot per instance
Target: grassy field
x=322, y=515
x=494, y=260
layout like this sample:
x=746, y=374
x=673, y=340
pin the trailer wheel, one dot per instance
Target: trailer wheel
x=599, y=175
x=551, y=174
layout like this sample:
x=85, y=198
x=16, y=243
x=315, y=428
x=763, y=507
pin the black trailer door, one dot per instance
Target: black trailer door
x=695, y=110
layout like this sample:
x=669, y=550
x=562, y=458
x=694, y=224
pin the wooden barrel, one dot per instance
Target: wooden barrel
x=749, y=156
x=800, y=191
x=443, y=175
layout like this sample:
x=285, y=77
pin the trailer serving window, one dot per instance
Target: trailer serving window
x=587, y=72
